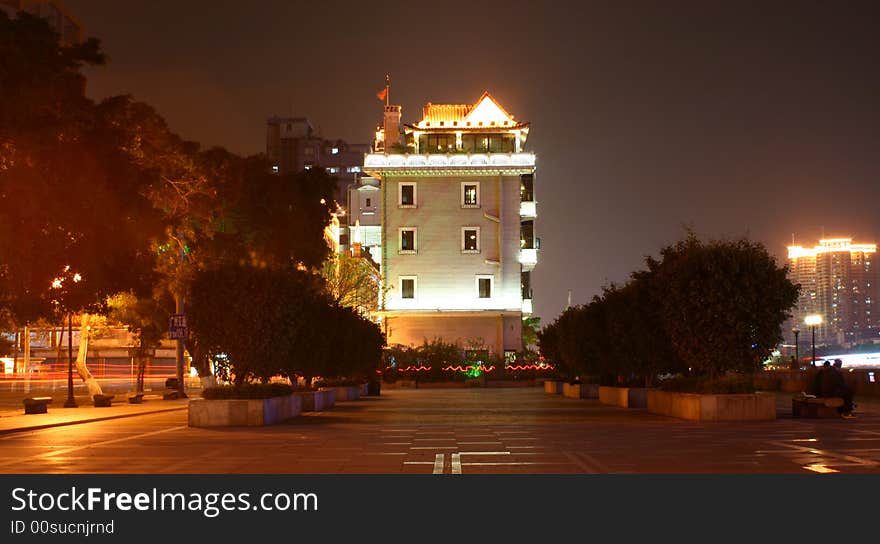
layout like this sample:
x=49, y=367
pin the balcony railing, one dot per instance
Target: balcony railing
x=528, y=257
x=383, y=161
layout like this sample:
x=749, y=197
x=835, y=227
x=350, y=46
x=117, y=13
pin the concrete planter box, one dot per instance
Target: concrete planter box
x=317, y=401
x=580, y=390
x=697, y=407
x=553, y=387
x=243, y=412
x=625, y=397
x=349, y=392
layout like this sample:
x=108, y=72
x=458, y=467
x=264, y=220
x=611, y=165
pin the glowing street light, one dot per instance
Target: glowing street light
x=813, y=321
x=58, y=283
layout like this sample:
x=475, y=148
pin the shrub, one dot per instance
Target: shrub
x=248, y=391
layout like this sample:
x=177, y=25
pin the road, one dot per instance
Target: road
x=450, y=431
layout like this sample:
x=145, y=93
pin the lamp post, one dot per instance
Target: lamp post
x=813, y=321
x=58, y=283
x=796, y=332
x=70, y=402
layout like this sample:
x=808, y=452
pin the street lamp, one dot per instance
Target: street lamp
x=813, y=321
x=71, y=401
x=796, y=332
x=58, y=283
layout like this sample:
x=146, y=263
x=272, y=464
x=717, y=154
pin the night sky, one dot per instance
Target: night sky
x=647, y=118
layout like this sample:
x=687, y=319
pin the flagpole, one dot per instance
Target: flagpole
x=387, y=90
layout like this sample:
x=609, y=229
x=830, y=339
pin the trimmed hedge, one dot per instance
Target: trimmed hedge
x=248, y=391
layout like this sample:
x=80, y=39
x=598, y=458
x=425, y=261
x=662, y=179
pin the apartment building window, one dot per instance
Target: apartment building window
x=406, y=197
x=369, y=203
x=527, y=188
x=470, y=194
x=407, y=237
x=333, y=170
x=353, y=169
x=408, y=287
x=485, y=286
x=470, y=239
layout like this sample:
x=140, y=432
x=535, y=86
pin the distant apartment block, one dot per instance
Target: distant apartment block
x=838, y=280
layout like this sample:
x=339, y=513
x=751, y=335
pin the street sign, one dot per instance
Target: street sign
x=177, y=327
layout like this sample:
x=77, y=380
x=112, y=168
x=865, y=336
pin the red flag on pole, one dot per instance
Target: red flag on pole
x=382, y=94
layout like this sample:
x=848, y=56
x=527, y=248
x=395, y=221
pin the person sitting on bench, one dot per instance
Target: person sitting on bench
x=817, y=387
x=833, y=385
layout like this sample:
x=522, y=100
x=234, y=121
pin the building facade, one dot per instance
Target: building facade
x=838, y=280
x=458, y=245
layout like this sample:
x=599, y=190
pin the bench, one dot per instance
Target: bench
x=809, y=406
x=36, y=405
x=102, y=401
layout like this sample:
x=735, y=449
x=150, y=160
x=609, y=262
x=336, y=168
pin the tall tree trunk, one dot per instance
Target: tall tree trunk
x=81, y=368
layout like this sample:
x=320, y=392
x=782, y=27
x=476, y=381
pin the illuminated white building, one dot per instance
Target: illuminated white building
x=839, y=282
x=457, y=215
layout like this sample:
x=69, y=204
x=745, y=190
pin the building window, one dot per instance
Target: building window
x=275, y=169
x=484, y=286
x=406, y=197
x=470, y=239
x=407, y=240
x=408, y=287
x=353, y=169
x=333, y=170
x=369, y=203
x=470, y=194
x=436, y=143
x=509, y=356
x=527, y=188
x=334, y=151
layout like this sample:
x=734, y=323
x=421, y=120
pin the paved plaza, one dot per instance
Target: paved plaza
x=452, y=431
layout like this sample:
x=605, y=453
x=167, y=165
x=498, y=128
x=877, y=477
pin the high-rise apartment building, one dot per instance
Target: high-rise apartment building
x=838, y=281
x=457, y=225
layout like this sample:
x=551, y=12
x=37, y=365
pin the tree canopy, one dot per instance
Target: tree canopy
x=702, y=309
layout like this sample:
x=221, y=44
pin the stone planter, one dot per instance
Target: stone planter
x=317, y=401
x=625, y=397
x=580, y=390
x=347, y=392
x=553, y=387
x=243, y=412
x=698, y=407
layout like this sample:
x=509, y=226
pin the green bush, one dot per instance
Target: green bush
x=248, y=391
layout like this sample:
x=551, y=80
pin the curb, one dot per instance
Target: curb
x=90, y=420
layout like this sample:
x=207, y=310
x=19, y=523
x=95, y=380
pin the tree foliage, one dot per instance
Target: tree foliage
x=279, y=322
x=703, y=309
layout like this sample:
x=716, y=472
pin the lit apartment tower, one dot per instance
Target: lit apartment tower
x=839, y=282
x=458, y=242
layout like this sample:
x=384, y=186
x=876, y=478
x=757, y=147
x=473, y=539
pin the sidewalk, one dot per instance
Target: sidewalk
x=17, y=421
